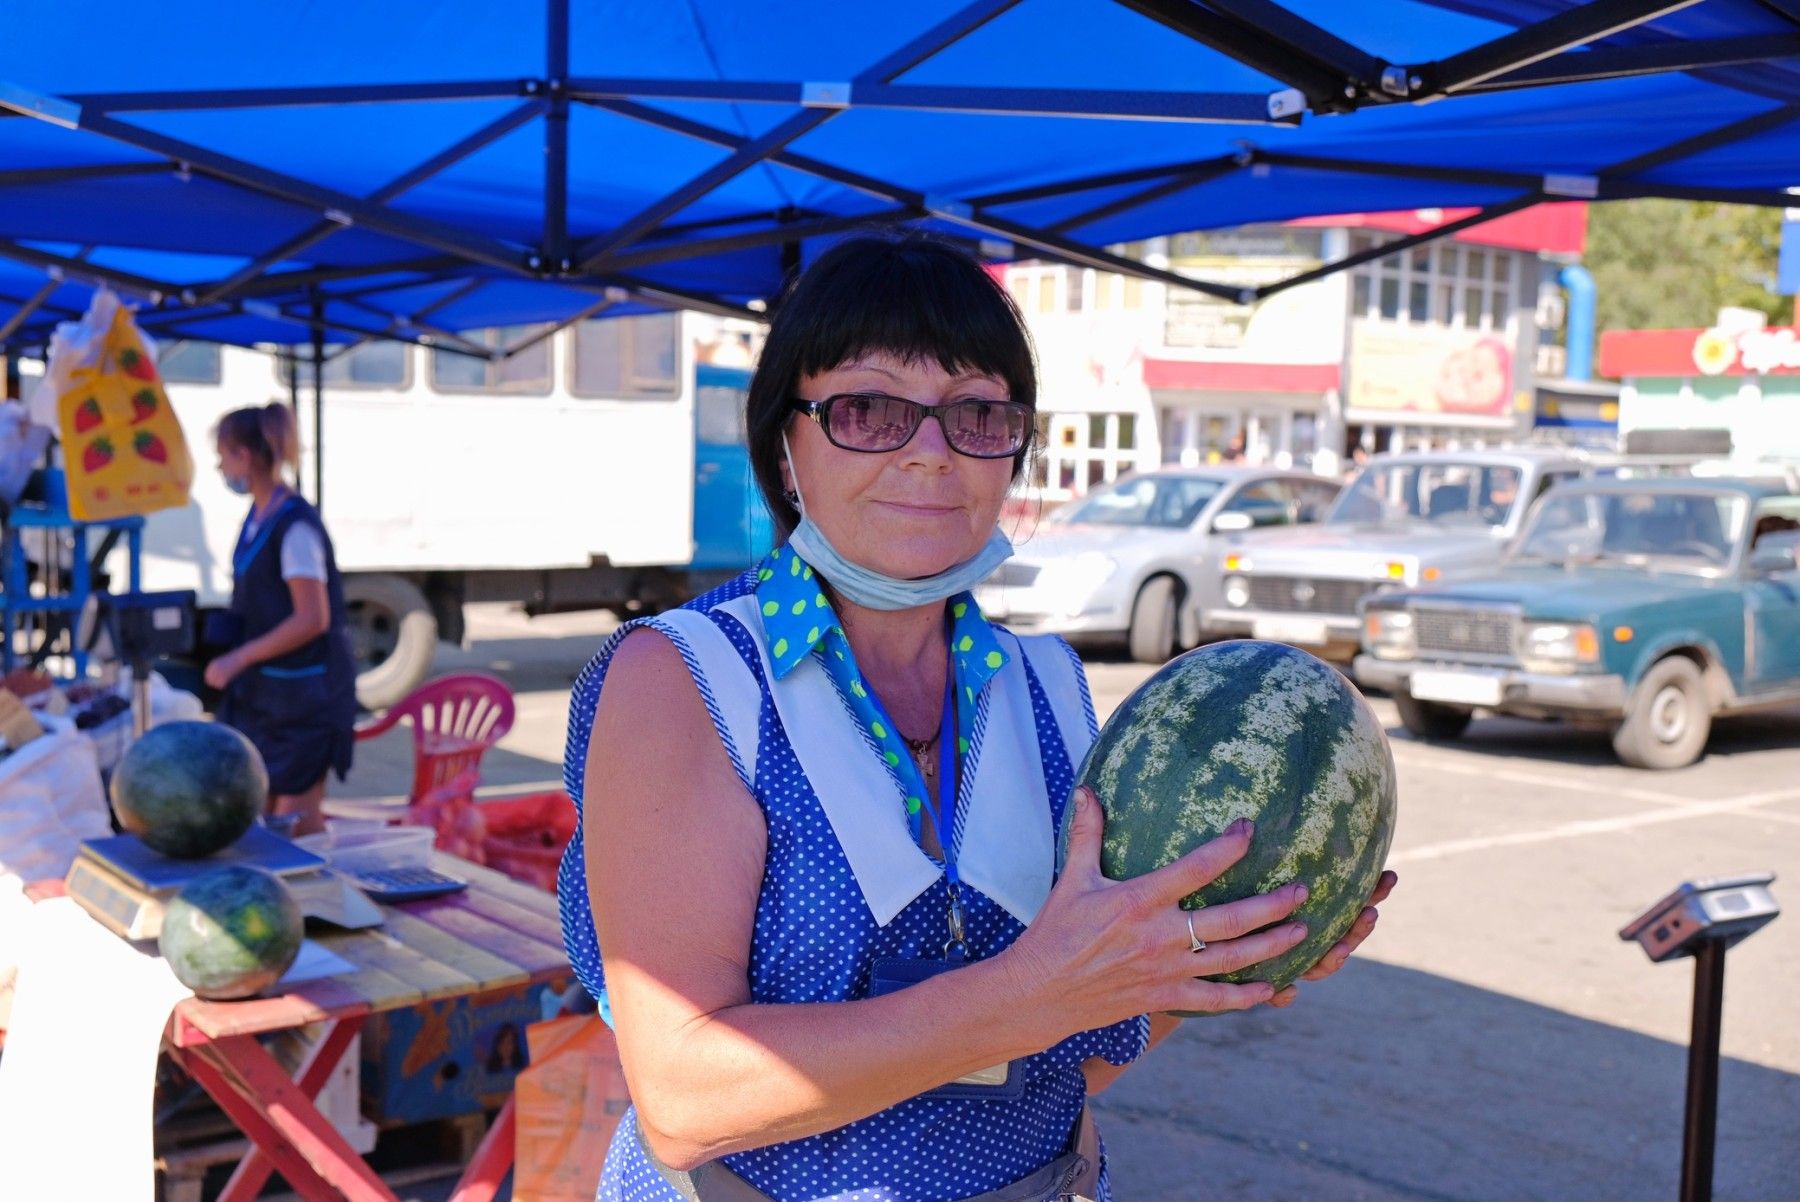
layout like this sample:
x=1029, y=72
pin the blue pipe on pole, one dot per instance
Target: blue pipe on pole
x=1579, y=283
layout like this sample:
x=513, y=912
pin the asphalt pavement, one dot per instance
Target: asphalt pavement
x=1494, y=1041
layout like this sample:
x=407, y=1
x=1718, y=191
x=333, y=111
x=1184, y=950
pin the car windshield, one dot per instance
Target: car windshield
x=1682, y=531
x=1168, y=501
x=1444, y=494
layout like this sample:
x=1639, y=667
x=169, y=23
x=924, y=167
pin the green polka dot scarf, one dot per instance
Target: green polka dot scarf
x=798, y=621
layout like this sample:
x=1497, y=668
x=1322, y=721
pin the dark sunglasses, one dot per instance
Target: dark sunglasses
x=874, y=422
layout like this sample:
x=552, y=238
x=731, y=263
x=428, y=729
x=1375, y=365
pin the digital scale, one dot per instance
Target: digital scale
x=127, y=886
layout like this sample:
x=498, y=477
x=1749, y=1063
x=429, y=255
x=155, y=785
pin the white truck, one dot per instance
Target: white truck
x=564, y=477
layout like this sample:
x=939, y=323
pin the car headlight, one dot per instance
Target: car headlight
x=1558, y=646
x=1237, y=592
x=1389, y=634
x=1068, y=583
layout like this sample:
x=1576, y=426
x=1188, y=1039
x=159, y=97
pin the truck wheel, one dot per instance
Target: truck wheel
x=1153, y=621
x=1430, y=721
x=1668, y=719
x=393, y=634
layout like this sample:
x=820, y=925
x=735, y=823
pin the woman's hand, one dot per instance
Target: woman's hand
x=1101, y=951
x=224, y=669
x=1340, y=951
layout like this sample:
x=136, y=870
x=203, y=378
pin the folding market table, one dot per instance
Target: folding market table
x=496, y=934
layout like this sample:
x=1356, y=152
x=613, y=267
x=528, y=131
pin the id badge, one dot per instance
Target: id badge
x=1002, y=1082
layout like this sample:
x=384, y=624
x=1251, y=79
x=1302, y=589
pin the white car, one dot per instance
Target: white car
x=1406, y=520
x=1137, y=560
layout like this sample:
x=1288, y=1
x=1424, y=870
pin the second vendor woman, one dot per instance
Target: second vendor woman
x=289, y=679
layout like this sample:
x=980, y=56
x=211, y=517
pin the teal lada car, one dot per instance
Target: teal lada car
x=1641, y=607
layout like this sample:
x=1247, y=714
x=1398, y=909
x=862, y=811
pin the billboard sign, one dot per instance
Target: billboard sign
x=1424, y=372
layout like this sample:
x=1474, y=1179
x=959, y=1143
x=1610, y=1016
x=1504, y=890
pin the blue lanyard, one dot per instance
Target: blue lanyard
x=942, y=808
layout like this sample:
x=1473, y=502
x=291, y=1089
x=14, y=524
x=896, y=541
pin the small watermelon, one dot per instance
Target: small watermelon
x=1252, y=730
x=188, y=789
x=231, y=932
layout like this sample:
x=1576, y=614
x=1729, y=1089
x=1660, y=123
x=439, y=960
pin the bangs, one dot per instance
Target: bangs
x=918, y=304
x=910, y=296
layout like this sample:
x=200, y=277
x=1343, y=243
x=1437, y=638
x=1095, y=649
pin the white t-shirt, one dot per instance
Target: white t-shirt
x=302, y=552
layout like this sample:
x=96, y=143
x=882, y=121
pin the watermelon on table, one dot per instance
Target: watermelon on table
x=1254, y=730
x=231, y=932
x=189, y=789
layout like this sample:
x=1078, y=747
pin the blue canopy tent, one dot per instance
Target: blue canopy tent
x=421, y=168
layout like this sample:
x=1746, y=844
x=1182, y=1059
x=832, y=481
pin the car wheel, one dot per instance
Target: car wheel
x=1431, y=721
x=1154, y=621
x=1668, y=719
x=393, y=636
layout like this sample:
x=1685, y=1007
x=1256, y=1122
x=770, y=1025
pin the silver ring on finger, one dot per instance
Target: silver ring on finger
x=1195, y=943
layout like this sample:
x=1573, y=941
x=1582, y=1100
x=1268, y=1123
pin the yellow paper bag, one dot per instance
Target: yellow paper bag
x=123, y=449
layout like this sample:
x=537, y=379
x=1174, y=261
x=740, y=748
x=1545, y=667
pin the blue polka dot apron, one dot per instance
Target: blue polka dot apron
x=845, y=882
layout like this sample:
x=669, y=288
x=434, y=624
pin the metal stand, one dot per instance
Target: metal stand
x=140, y=698
x=1703, y=919
x=1699, y=1125
x=57, y=607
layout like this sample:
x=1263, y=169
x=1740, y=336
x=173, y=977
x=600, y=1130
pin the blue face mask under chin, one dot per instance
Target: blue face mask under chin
x=877, y=590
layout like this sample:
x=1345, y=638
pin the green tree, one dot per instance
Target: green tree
x=1671, y=264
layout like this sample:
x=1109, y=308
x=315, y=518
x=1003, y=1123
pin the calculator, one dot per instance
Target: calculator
x=389, y=885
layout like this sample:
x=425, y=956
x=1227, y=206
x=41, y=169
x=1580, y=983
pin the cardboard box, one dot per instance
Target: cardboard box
x=446, y=1058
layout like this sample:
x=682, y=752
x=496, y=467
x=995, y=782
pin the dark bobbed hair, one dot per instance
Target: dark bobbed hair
x=909, y=295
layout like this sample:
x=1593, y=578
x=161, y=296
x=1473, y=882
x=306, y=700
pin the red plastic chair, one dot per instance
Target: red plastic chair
x=455, y=719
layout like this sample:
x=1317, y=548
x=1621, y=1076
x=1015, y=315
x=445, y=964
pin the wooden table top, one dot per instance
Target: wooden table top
x=496, y=933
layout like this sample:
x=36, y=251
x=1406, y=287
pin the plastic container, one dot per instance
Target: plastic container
x=386, y=847
x=526, y=836
x=349, y=830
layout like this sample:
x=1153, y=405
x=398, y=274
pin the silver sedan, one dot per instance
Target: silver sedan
x=1137, y=560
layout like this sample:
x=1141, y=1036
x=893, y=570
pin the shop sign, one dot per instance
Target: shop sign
x=1754, y=352
x=1248, y=242
x=1714, y=352
x=1197, y=320
x=1398, y=372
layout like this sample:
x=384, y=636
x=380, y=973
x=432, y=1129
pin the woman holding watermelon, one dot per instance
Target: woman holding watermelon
x=289, y=679
x=820, y=805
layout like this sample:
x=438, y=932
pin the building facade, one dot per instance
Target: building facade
x=1437, y=345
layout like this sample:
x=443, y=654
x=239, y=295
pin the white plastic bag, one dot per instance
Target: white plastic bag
x=50, y=800
x=34, y=844
x=22, y=447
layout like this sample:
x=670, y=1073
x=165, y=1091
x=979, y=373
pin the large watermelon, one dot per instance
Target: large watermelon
x=231, y=932
x=188, y=789
x=1250, y=730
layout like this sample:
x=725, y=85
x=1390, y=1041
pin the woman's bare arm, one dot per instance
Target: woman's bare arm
x=675, y=849
x=675, y=859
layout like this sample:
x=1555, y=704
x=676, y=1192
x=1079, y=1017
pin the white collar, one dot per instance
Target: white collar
x=1007, y=849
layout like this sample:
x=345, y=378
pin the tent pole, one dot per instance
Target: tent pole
x=556, y=139
x=1533, y=43
x=1168, y=187
x=318, y=358
x=1480, y=217
x=959, y=212
x=23, y=313
x=751, y=151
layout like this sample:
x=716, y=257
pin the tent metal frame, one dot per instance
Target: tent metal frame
x=1317, y=73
